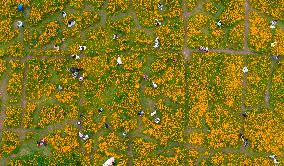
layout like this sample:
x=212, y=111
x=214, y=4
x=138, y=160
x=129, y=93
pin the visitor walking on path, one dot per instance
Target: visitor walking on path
x=119, y=62
x=71, y=23
x=141, y=112
x=75, y=57
x=20, y=24
x=115, y=36
x=153, y=113
x=157, y=120
x=245, y=140
x=84, y=137
x=275, y=57
x=154, y=85
x=245, y=69
x=41, y=142
x=273, y=24
x=82, y=48
x=106, y=126
x=157, y=22
x=109, y=162
x=145, y=76
x=21, y=7
x=219, y=23
x=56, y=47
x=59, y=88
x=204, y=49
x=74, y=71
x=160, y=6
x=274, y=159
x=81, y=78
x=244, y=114
x=100, y=110
x=273, y=44
x=157, y=42
x=63, y=14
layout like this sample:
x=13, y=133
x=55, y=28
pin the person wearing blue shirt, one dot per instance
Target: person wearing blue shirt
x=21, y=7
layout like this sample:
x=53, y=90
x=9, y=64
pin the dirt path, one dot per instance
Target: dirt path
x=130, y=154
x=244, y=79
x=186, y=54
x=133, y=14
x=244, y=85
x=185, y=14
x=226, y=51
x=139, y=130
x=58, y=126
x=247, y=8
x=3, y=97
x=23, y=102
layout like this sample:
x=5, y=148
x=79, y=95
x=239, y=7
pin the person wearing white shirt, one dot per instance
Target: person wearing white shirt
x=274, y=159
x=81, y=78
x=63, y=14
x=219, y=23
x=157, y=120
x=115, y=36
x=20, y=24
x=273, y=24
x=85, y=137
x=75, y=57
x=82, y=48
x=71, y=23
x=109, y=162
x=153, y=113
x=273, y=44
x=245, y=69
x=157, y=42
x=81, y=135
x=154, y=85
x=160, y=6
x=158, y=23
x=119, y=62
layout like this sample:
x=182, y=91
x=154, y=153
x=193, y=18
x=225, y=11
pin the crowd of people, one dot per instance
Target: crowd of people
x=78, y=73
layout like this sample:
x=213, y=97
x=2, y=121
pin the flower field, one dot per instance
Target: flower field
x=142, y=92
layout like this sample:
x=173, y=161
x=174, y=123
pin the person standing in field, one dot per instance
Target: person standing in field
x=63, y=14
x=119, y=62
x=20, y=24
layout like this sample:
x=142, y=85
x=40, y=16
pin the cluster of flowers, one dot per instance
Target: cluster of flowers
x=10, y=143
x=257, y=80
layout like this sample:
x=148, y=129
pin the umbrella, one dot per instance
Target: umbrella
x=20, y=7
